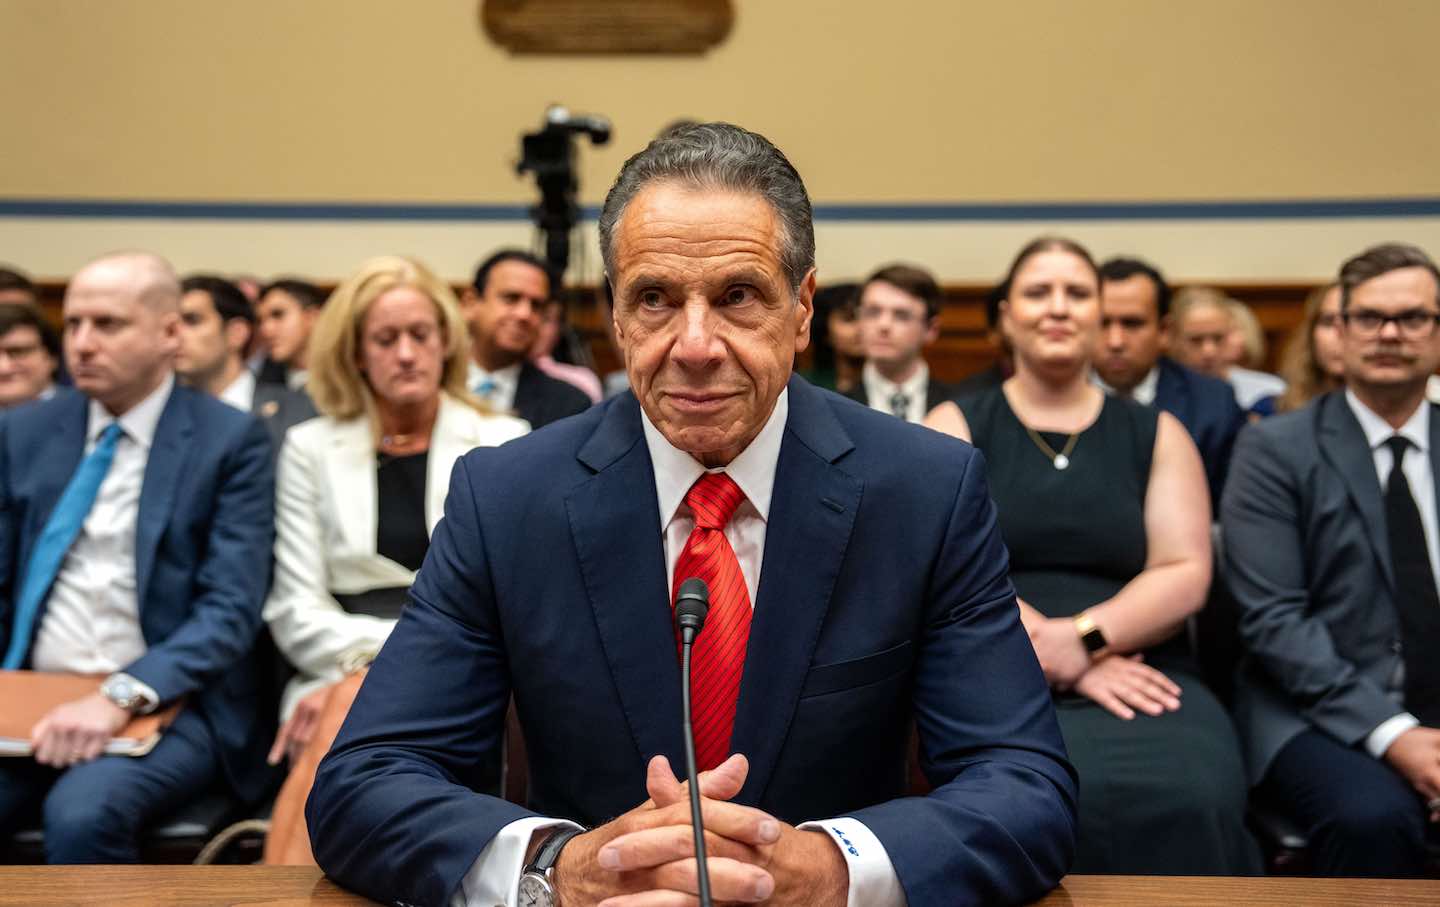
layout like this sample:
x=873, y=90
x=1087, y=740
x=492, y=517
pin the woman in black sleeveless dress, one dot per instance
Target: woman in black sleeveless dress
x=1103, y=507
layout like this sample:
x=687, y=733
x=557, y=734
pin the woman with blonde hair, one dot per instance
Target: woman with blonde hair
x=1313, y=362
x=359, y=489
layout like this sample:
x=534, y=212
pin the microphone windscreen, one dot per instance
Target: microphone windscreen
x=692, y=603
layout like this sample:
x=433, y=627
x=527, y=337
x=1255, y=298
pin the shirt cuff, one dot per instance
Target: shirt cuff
x=873, y=882
x=494, y=877
x=1380, y=739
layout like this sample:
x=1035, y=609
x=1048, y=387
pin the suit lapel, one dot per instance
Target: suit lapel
x=162, y=474
x=451, y=439
x=351, y=480
x=615, y=523
x=1435, y=450
x=1172, y=392
x=812, y=512
x=1343, y=443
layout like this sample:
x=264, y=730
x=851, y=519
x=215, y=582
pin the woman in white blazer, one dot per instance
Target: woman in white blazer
x=360, y=489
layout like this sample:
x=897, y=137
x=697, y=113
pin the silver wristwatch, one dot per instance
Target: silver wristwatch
x=124, y=691
x=536, y=889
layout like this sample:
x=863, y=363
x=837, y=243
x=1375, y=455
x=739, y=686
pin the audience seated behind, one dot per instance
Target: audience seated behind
x=1215, y=335
x=29, y=355
x=899, y=314
x=360, y=489
x=1103, y=506
x=503, y=307
x=150, y=568
x=1313, y=362
x=1004, y=365
x=1130, y=362
x=285, y=312
x=836, y=352
x=556, y=337
x=1330, y=553
x=216, y=324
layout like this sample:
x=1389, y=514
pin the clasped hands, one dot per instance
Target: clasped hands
x=76, y=731
x=645, y=858
x=1119, y=683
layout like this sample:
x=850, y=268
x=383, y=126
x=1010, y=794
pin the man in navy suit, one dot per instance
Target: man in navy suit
x=1131, y=362
x=868, y=547
x=136, y=520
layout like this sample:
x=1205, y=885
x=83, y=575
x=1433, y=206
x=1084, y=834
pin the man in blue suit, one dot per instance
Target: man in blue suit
x=136, y=520
x=880, y=592
x=1131, y=362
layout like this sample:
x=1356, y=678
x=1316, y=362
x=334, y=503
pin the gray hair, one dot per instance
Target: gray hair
x=726, y=157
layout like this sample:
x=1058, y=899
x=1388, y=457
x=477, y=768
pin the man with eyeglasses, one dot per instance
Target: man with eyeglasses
x=1331, y=551
x=29, y=355
x=899, y=315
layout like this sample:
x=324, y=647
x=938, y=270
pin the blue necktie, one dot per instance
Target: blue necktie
x=485, y=388
x=55, y=540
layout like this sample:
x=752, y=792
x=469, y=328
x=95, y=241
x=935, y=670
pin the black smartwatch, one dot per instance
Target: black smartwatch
x=536, y=889
x=1090, y=635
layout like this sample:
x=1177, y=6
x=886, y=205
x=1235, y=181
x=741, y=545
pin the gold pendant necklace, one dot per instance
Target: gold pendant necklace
x=1059, y=460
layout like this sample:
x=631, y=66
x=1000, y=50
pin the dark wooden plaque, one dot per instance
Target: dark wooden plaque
x=607, y=26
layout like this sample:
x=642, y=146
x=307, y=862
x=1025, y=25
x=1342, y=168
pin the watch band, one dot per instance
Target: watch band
x=1091, y=636
x=549, y=852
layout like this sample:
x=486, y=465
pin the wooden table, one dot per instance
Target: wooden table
x=287, y=886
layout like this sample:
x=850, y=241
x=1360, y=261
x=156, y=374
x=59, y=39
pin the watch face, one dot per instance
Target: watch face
x=535, y=891
x=119, y=691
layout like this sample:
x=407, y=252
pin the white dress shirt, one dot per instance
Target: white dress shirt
x=297, y=378
x=1251, y=386
x=241, y=392
x=92, y=618
x=495, y=875
x=1421, y=477
x=879, y=390
x=502, y=397
x=1143, y=393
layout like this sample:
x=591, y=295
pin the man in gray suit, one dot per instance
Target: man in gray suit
x=1331, y=549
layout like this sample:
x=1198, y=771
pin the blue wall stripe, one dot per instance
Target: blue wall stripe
x=887, y=211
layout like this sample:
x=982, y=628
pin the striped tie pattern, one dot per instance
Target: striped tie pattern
x=717, y=660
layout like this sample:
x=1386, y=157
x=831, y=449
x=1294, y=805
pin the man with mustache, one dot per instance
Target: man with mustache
x=1331, y=550
x=857, y=579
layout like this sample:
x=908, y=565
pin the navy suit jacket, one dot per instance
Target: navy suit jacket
x=541, y=399
x=203, y=541
x=1206, y=407
x=884, y=596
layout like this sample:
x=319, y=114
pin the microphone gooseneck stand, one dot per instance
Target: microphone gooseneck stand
x=691, y=606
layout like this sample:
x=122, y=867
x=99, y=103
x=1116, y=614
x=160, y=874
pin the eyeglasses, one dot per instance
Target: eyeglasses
x=1415, y=324
x=899, y=316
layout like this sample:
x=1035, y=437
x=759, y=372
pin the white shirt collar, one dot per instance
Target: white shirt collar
x=139, y=421
x=241, y=392
x=508, y=376
x=878, y=387
x=753, y=469
x=1144, y=392
x=1416, y=429
x=297, y=378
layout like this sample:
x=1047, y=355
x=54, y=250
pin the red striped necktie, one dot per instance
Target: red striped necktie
x=717, y=660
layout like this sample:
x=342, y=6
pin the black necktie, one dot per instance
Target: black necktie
x=1416, y=601
x=900, y=405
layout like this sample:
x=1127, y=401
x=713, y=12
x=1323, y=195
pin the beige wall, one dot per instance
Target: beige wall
x=898, y=101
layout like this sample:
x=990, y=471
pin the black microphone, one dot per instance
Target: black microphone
x=691, y=605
